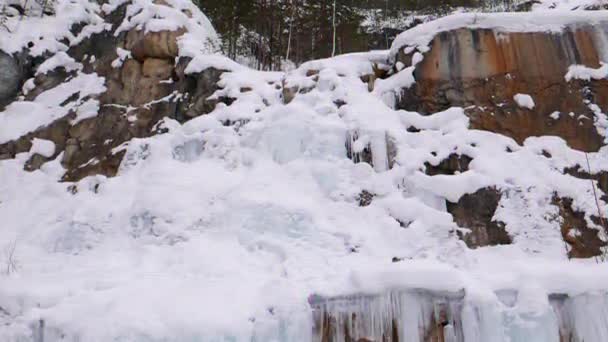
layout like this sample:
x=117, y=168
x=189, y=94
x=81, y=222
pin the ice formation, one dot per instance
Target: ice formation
x=247, y=224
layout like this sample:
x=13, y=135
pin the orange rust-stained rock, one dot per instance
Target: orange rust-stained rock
x=481, y=70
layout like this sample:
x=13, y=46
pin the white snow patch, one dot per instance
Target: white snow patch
x=402, y=80
x=581, y=72
x=122, y=56
x=524, y=101
x=203, y=61
x=86, y=110
x=28, y=86
x=43, y=147
x=60, y=59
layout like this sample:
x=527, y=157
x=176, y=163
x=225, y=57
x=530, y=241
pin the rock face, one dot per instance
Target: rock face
x=143, y=88
x=453, y=164
x=483, y=69
x=583, y=241
x=475, y=212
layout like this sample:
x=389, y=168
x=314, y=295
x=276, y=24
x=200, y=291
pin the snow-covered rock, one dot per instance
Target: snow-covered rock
x=481, y=62
x=202, y=200
x=112, y=73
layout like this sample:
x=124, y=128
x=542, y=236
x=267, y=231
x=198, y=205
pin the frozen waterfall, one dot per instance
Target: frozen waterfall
x=422, y=315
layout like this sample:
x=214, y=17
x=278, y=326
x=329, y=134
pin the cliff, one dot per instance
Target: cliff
x=483, y=68
x=450, y=189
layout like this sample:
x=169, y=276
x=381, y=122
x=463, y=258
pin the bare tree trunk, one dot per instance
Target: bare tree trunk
x=279, y=45
x=386, y=20
x=290, y=28
x=233, y=34
x=333, y=50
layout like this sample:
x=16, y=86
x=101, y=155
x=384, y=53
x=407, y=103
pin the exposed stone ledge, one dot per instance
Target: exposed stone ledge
x=482, y=69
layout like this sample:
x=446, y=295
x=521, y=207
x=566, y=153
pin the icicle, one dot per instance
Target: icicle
x=421, y=316
x=379, y=151
x=358, y=148
x=388, y=317
x=583, y=318
x=376, y=148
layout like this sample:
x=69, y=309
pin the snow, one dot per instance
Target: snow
x=581, y=72
x=280, y=220
x=48, y=33
x=225, y=226
x=53, y=33
x=403, y=79
x=26, y=116
x=171, y=15
x=566, y=5
x=420, y=36
x=524, y=101
x=28, y=86
x=60, y=59
x=203, y=61
x=122, y=56
x=45, y=148
x=349, y=64
x=86, y=110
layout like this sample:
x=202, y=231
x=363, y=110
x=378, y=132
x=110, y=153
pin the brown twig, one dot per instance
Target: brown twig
x=597, y=202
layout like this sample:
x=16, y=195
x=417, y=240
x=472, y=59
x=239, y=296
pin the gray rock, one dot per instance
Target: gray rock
x=11, y=78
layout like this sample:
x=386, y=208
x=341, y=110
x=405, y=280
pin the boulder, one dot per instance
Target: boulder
x=11, y=78
x=162, y=44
